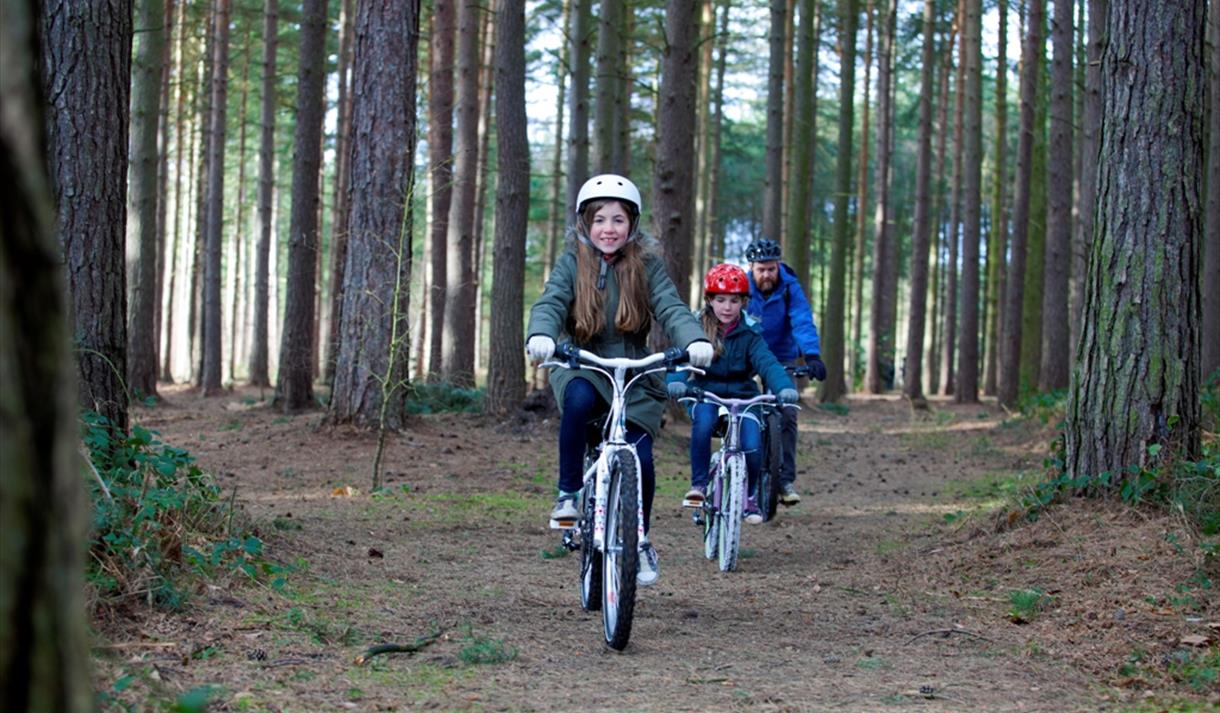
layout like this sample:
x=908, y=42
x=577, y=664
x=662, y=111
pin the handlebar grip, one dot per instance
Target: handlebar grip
x=569, y=352
x=675, y=356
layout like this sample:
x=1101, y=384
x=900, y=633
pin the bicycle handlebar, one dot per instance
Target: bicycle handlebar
x=700, y=394
x=797, y=371
x=574, y=356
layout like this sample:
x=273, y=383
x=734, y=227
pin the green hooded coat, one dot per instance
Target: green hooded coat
x=551, y=316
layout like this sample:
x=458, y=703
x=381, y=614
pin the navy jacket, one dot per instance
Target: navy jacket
x=731, y=374
x=787, y=320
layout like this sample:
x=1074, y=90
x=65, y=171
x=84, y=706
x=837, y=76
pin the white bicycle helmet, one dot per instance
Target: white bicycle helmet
x=609, y=185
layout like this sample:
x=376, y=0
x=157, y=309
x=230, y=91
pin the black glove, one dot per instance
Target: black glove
x=816, y=368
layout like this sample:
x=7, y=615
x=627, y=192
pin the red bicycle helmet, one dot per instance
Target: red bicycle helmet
x=726, y=279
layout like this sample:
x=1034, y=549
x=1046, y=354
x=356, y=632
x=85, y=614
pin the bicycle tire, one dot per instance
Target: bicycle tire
x=731, y=511
x=768, y=478
x=620, y=556
x=711, y=516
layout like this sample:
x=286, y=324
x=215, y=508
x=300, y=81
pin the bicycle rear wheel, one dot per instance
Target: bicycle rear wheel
x=620, y=557
x=768, y=478
x=730, y=511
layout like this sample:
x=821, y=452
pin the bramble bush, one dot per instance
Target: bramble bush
x=160, y=524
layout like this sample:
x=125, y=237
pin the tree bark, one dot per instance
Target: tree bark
x=558, y=220
x=266, y=178
x=1210, y=275
x=967, y=387
x=44, y=635
x=774, y=176
x=214, y=220
x=796, y=238
x=236, y=330
x=1035, y=249
x=674, y=184
x=163, y=151
x=182, y=146
x=506, y=368
x=835, y=386
x=855, y=356
x=487, y=45
x=578, y=128
x=142, y=200
x=440, y=158
x=606, y=110
x=1056, y=333
x=343, y=167
x=294, y=387
x=998, y=243
x=716, y=234
x=86, y=72
x=879, y=369
x=371, y=372
x=913, y=365
x=936, y=221
x=457, y=342
x=949, y=336
x=1014, y=287
x=1135, y=388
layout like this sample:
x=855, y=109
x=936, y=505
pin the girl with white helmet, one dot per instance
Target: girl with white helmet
x=603, y=295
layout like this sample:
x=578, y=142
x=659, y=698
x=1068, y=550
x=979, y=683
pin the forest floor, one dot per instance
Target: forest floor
x=896, y=583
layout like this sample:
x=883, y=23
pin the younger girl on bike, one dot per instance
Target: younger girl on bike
x=603, y=294
x=741, y=353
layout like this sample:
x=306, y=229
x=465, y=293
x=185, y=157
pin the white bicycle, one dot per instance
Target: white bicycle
x=611, y=523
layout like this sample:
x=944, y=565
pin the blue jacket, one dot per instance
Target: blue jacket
x=787, y=320
x=731, y=374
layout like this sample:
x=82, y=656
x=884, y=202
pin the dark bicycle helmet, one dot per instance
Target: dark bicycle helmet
x=763, y=250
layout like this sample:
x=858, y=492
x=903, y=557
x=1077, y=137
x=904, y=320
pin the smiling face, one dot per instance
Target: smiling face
x=727, y=308
x=766, y=275
x=610, y=227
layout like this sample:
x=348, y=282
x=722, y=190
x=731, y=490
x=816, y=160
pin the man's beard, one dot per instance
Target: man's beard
x=766, y=284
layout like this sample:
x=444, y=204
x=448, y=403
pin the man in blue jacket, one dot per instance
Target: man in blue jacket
x=779, y=303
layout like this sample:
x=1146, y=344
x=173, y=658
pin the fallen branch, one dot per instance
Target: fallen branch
x=411, y=648
x=945, y=634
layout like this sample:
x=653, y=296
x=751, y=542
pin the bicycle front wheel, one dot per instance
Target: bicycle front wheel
x=590, y=561
x=620, y=557
x=711, y=514
x=732, y=504
x=768, y=479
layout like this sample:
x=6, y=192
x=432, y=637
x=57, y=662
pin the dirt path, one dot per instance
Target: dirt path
x=833, y=606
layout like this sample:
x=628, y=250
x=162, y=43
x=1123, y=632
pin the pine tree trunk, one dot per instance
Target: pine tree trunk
x=1035, y=251
x=949, y=336
x=458, y=337
x=487, y=44
x=856, y=358
x=578, y=131
x=703, y=149
x=182, y=146
x=266, y=166
x=506, y=367
x=774, y=173
x=998, y=243
x=236, y=333
x=674, y=184
x=343, y=159
x=1135, y=388
x=796, y=237
x=44, y=635
x=371, y=373
x=1014, y=287
x=558, y=219
x=294, y=385
x=715, y=233
x=203, y=114
x=606, y=80
x=1056, y=333
x=625, y=71
x=440, y=159
x=835, y=386
x=1209, y=277
x=214, y=217
x=163, y=153
x=913, y=365
x=85, y=71
x=936, y=222
x=967, y=387
x=879, y=369
x=142, y=200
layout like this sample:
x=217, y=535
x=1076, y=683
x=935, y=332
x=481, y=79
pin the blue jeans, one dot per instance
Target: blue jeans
x=582, y=404
x=703, y=424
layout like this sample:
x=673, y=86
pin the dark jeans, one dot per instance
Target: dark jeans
x=581, y=404
x=787, y=430
x=703, y=424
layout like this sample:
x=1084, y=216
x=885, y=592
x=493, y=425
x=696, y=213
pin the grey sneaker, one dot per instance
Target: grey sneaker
x=753, y=515
x=649, y=570
x=565, y=515
x=788, y=494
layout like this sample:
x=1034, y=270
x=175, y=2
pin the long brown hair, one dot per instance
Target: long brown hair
x=712, y=326
x=633, y=314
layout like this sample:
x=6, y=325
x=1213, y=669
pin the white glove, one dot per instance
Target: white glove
x=701, y=353
x=540, y=348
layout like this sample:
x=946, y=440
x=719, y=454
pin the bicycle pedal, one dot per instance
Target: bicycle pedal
x=686, y=503
x=563, y=524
